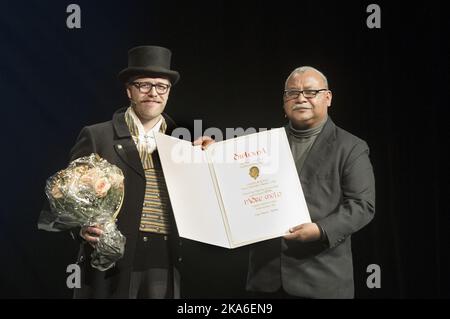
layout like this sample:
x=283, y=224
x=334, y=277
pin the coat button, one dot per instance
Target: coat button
x=145, y=239
x=180, y=259
x=119, y=146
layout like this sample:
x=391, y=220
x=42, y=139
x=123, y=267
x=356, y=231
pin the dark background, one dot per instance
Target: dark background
x=390, y=87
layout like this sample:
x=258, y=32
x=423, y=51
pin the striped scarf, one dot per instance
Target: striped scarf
x=141, y=139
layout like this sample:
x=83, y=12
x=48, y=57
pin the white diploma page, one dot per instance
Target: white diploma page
x=237, y=192
x=259, y=186
x=191, y=190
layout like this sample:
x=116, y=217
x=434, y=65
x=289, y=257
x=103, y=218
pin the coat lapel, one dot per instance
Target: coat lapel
x=124, y=145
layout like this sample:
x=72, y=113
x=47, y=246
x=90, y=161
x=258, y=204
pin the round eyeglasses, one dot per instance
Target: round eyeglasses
x=146, y=87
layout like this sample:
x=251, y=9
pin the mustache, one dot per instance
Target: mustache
x=301, y=106
x=133, y=102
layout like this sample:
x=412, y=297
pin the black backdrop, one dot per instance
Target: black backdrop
x=390, y=88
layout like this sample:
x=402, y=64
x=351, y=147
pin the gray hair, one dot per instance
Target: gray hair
x=303, y=69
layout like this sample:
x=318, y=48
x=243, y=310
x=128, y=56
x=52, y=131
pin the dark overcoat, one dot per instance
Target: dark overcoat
x=113, y=142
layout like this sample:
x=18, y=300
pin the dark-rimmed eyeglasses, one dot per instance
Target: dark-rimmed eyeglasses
x=145, y=87
x=309, y=94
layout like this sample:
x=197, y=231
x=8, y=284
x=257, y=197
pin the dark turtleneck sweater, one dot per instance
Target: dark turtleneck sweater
x=301, y=142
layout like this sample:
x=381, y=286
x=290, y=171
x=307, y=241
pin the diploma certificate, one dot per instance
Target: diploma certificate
x=236, y=192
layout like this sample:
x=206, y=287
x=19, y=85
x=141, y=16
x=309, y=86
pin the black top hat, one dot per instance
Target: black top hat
x=149, y=61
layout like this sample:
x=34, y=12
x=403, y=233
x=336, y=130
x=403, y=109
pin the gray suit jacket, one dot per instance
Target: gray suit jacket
x=339, y=186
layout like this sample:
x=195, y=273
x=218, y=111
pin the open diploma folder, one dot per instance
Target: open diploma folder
x=236, y=192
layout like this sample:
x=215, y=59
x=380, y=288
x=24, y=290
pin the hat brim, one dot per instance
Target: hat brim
x=131, y=72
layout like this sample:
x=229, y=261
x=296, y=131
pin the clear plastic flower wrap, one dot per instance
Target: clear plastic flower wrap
x=88, y=192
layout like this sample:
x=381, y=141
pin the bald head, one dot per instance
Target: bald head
x=304, y=69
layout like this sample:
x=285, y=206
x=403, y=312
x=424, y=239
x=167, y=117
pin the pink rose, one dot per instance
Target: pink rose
x=116, y=180
x=56, y=192
x=90, y=176
x=101, y=187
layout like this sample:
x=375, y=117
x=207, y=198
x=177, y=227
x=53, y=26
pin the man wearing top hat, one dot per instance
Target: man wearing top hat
x=149, y=267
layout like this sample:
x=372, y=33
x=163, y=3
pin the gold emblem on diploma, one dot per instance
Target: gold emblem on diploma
x=254, y=172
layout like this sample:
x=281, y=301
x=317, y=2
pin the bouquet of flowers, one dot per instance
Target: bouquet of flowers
x=89, y=192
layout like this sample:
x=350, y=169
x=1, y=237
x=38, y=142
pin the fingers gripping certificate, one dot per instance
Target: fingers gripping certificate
x=236, y=192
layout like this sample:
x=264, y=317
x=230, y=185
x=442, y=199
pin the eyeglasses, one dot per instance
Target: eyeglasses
x=145, y=87
x=309, y=94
